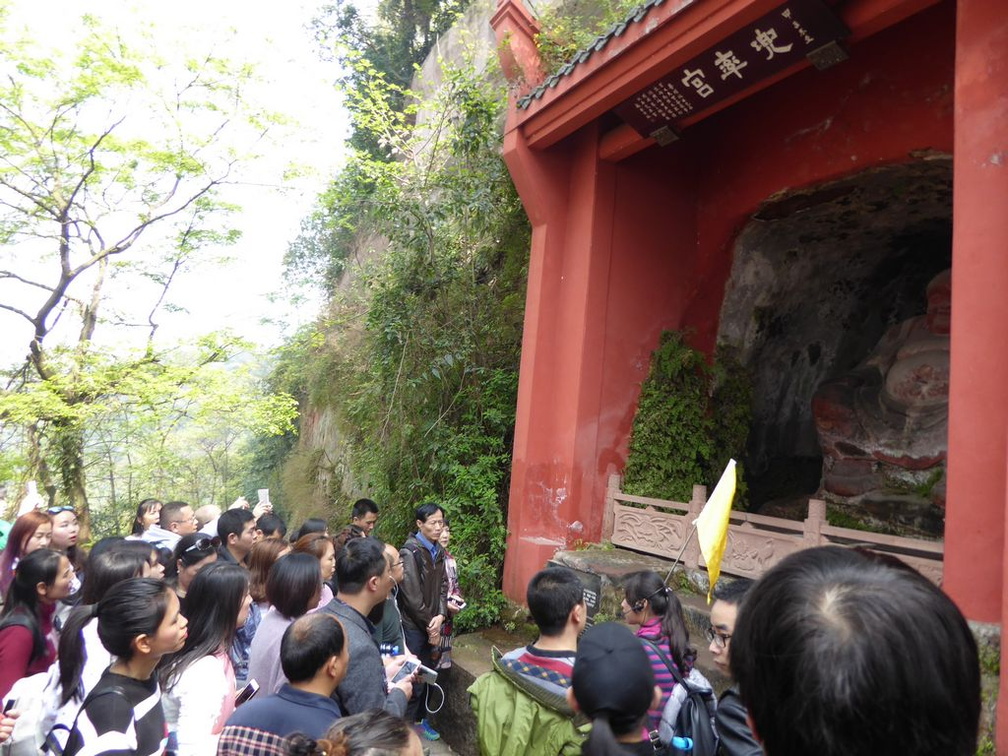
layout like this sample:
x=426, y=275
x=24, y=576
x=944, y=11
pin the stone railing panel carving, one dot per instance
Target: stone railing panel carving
x=755, y=543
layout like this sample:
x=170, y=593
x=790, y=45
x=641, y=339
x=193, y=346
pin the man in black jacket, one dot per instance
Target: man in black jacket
x=423, y=600
x=735, y=738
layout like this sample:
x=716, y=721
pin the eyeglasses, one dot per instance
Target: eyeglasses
x=57, y=510
x=397, y=564
x=204, y=544
x=718, y=638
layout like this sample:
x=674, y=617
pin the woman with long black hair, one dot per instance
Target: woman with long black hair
x=657, y=612
x=199, y=680
x=41, y=580
x=83, y=656
x=138, y=623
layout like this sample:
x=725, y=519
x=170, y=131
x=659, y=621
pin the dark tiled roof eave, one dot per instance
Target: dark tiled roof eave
x=582, y=56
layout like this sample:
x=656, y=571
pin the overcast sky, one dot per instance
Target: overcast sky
x=273, y=35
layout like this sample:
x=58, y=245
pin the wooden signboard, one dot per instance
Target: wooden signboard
x=796, y=30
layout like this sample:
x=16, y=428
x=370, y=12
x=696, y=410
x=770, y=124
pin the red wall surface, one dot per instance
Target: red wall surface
x=622, y=251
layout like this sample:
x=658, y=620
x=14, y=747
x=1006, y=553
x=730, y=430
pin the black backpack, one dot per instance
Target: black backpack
x=694, y=718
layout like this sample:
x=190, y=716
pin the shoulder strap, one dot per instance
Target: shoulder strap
x=666, y=661
x=52, y=745
x=18, y=619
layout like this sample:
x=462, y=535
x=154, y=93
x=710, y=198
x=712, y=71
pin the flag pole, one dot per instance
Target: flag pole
x=689, y=537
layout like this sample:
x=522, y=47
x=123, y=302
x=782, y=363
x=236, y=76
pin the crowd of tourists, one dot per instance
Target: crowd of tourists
x=833, y=652
x=207, y=632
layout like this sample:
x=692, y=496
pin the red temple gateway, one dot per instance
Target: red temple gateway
x=644, y=161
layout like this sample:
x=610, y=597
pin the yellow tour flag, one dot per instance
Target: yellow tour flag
x=712, y=524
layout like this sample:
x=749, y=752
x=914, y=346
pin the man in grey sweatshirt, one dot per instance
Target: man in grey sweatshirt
x=365, y=580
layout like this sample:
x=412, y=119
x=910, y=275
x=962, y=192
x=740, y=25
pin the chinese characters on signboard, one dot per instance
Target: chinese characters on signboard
x=781, y=38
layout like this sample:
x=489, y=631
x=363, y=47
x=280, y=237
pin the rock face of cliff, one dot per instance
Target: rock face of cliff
x=319, y=471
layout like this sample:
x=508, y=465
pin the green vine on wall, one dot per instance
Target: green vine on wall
x=692, y=417
x=418, y=354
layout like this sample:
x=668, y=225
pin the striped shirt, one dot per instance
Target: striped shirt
x=120, y=717
x=561, y=662
x=663, y=677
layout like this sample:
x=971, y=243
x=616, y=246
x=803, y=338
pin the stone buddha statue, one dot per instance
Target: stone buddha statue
x=883, y=426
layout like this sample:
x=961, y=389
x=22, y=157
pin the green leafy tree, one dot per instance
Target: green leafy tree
x=111, y=162
x=187, y=430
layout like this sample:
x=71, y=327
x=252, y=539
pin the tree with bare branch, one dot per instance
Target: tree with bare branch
x=111, y=165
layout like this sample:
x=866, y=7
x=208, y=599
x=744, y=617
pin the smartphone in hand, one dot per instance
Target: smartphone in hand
x=247, y=692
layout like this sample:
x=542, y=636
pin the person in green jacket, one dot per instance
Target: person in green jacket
x=521, y=705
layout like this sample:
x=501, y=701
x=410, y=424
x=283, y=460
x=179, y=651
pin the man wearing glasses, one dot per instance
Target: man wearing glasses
x=423, y=601
x=177, y=520
x=734, y=733
x=388, y=632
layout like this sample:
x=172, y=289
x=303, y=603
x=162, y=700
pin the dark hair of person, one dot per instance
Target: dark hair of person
x=362, y=507
x=108, y=543
x=606, y=728
x=359, y=560
x=425, y=511
x=271, y=525
x=293, y=584
x=262, y=557
x=143, y=508
x=662, y=602
x=188, y=555
x=131, y=607
x=315, y=544
x=41, y=566
x=111, y=566
x=552, y=595
x=837, y=652
x=232, y=522
x=732, y=591
x=147, y=550
x=21, y=531
x=311, y=525
x=212, y=604
x=308, y=643
x=370, y=733
x=170, y=512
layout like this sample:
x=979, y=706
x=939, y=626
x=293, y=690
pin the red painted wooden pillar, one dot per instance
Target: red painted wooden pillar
x=975, y=562
x=978, y=410
x=568, y=193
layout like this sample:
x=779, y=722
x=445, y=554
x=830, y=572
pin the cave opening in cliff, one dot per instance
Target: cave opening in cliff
x=819, y=277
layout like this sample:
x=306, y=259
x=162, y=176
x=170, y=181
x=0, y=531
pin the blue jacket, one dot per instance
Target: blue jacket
x=289, y=711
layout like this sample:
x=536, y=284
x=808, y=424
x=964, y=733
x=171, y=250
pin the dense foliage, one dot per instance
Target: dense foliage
x=691, y=419
x=422, y=245
x=567, y=28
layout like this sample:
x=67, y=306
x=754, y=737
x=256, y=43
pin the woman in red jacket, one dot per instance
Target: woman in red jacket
x=41, y=579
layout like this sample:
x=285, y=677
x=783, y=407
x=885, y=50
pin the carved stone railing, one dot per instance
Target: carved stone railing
x=755, y=543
